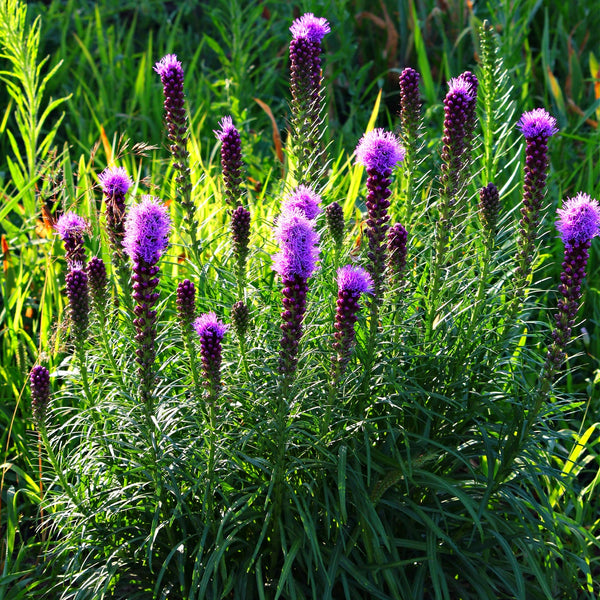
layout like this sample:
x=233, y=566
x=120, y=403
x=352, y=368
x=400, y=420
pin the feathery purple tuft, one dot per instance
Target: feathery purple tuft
x=537, y=123
x=208, y=323
x=147, y=230
x=579, y=219
x=304, y=200
x=311, y=27
x=354, y=279
x=297, y=240
x=115, y=180
x=227, y=128
x=379, y=150
x=168, y=65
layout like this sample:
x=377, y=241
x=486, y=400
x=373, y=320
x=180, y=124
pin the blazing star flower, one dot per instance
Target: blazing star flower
x=231, y=160
x=489, y=207
x=115, y=184
x=115, y=180
x=96, y=273
x=311, y=27
x=352, y=283
x=77, y=288
x=397, y=237
x=211, y=332
x=71, y=227
x=537, y=123
x=147, y=230
x=380, y=151
x=304, y=200
x=297, y=239
x=579, y=219
x=334, y=215
x=186, y=302
x=39, y=382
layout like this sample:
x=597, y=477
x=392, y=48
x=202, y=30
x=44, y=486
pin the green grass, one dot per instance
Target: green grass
x=62, y=125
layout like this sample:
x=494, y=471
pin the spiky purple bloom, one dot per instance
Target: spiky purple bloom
x=295, y=263
x=578, y=224
x=231, y=160
x=240, y=237
x=352, y=283
x=489, y=207
x=172, y=79
x=379, y=152
x=186, y=302
x=473, y=83
x=146, y=237
x=537, y=127
x=305, y=200
x=305, y=84
x=39, y=382
x=211, y=331
x=96, y=272
x=397, y=238
x=71, y=227
x=334, y=216
x=76, y=281
x=115, y=184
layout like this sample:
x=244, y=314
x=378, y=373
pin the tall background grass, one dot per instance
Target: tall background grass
x=79, y=90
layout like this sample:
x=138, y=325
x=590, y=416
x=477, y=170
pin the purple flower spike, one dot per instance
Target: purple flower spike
x=579, y=219
x=146, y=237
x=578, y=223
x=231, y=160
x=473, y=82
x=489, y=207
x=537, y=123
x=96, y=272
x=295, y=263
x=379, y=152
x=410, y=106
x=71, y=227
x=240, y=318
x=305, y=200
x=147, y=230
x=211, y=332
x=186, y=302
x=334, y=215
x=311, y=27
x=352, y=283
x=39, y=382
x=537, y=127
x=115, y=184
x=76, y=282
x=240, y=236
x=396, y=240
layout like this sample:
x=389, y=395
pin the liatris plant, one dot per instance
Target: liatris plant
x=578, y=223
x=76, y=281
x=240, y=237
x=471, y=80
x=146, y=238
x=307, y=105
x=537, y=127
x=489, y=208
x=172, y=79
x=231, y=160
x=397, y=237
x=410, y=117
x=379, y=152
x=295, y=263
x=352, y=283
x=71, y=227
x=211, y=332
x=334, y=215
x=304, y=200
x=186, y=311
x=115, y=184
x=96, y=272
x=39, y=381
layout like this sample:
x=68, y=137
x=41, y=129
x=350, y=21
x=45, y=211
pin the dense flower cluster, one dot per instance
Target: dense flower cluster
x=115, y=184
x=334, y=216
x=231, y=160
x=211, y=332
x=39, y=382
x=71, y=227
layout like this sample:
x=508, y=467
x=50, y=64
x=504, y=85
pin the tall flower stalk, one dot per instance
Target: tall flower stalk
x=410, y=117
x=171, y=75
x=457, y=107
x=186, y=311
x=146, y=238
x=307, y=96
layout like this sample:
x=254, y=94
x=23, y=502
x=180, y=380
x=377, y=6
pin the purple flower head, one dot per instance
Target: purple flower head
x=39, y=381
x=298, y=240
x=311, y=27
x=114, y=180
x=304, y=200
x=461, y=86
x=168, y=66
x=227, y=127
x=379, y=150
x=537, y=123
x=147, y=230
x=208, y=324
x=354, y=279
x=578, y=219
x=71, y=225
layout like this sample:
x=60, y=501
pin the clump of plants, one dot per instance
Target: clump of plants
x=321, y=406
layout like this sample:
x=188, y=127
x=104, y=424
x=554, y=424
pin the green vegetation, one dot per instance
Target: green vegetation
x=437, y=475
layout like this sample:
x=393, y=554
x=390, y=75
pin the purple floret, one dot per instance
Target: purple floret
x=537, y=123
x=354, y=279
x=70, y=224
x=115, y=180
x=578, y=219
x=147, y=230
x=168, y=65
x=209, y=324
x=379, y=150
x=311, y=27
x=304, y=200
